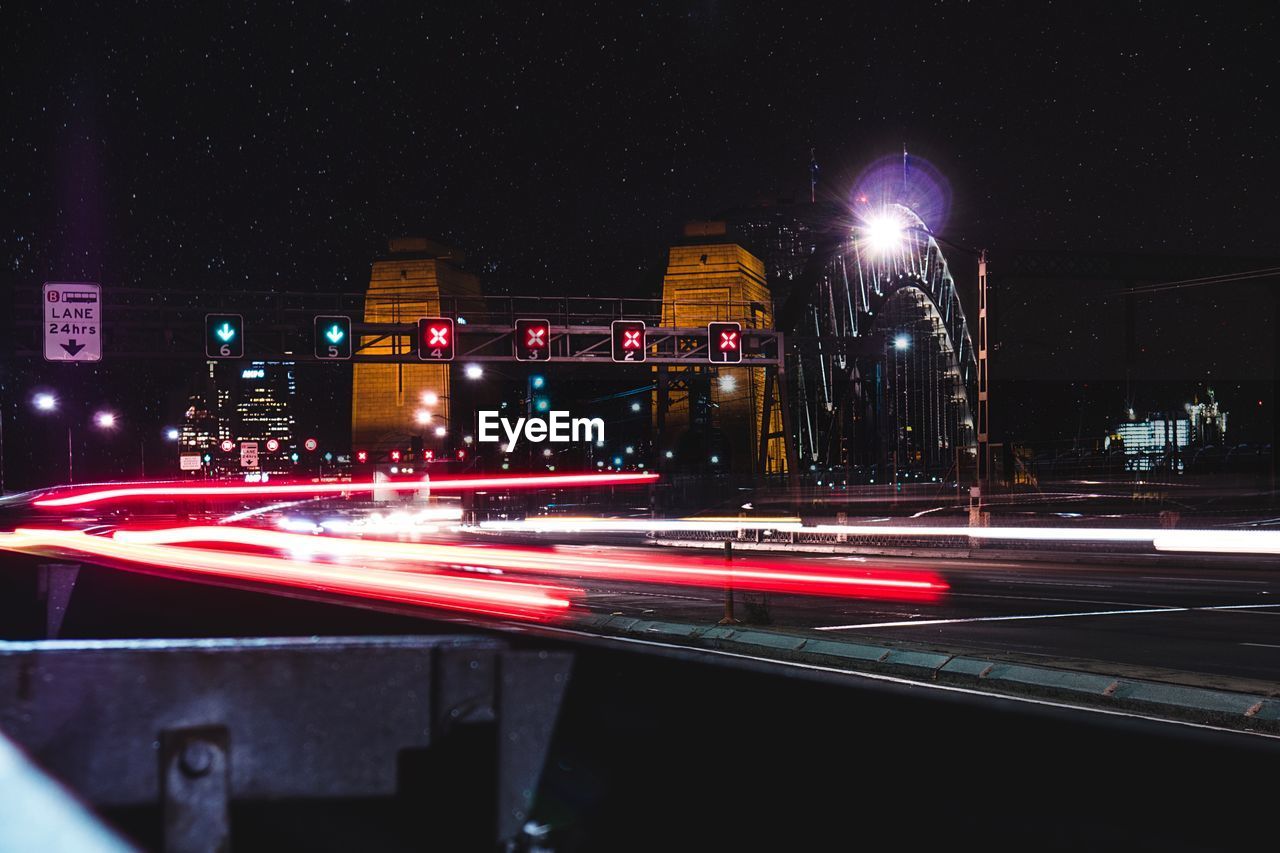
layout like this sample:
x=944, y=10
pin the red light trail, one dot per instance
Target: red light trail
x=179, y=491
x=488, y=596
x=756, y=576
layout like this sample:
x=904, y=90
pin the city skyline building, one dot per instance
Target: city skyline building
x=254, y=402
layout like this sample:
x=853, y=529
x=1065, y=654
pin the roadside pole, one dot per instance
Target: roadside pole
x=728, y=586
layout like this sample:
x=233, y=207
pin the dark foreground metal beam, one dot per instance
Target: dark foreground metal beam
x=192, y=724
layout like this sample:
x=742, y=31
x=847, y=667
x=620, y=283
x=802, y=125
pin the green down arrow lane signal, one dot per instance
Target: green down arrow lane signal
x=333, y=337
x=224, y=335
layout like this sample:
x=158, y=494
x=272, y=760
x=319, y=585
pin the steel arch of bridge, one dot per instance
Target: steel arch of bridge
x=838, y=399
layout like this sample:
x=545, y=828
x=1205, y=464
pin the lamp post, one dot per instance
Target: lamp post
x=46, y=403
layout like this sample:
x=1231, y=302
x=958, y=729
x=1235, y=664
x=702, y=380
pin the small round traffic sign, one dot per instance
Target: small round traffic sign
x=310, y=444
x=227, y=445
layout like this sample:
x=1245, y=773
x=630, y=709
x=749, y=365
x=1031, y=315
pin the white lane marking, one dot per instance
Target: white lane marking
x=1199, y=580
x=1004, y=618
x=1261, y=645
x=1024, y=616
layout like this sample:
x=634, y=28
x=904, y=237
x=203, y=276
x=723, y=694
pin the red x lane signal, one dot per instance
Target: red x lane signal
x=628, y=340
x=532, y=340
x=724, y=343
x=435, y=339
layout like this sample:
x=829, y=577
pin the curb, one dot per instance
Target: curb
x=1244, y=712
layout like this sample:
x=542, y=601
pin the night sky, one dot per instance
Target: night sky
x=279, y=145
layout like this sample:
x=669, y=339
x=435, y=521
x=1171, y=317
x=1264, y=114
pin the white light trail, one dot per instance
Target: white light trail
x=1174, y=541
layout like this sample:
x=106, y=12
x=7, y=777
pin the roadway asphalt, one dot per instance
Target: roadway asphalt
x=1167, y=619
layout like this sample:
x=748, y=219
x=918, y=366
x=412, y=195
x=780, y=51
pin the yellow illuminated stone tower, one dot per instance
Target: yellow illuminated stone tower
x=708, y=279
x=405, y=285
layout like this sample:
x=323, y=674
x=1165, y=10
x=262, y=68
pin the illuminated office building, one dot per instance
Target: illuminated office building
x=242, y=402
x=1155, y=443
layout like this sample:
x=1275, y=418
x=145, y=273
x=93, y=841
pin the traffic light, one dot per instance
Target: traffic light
x=224, y=335
x=532, y=340
x=435, y=339
x=538, y=400
x=724, y=343
x=333, y=337
x=628, y=340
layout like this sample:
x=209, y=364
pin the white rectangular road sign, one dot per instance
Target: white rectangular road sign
x=72, y=321
x=190, y=462
x=248, y=454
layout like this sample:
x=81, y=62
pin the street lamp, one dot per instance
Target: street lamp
x=46, y=403
x=901, y=342
x=473, y=371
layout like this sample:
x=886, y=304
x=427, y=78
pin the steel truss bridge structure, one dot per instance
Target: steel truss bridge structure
x=889, y=387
